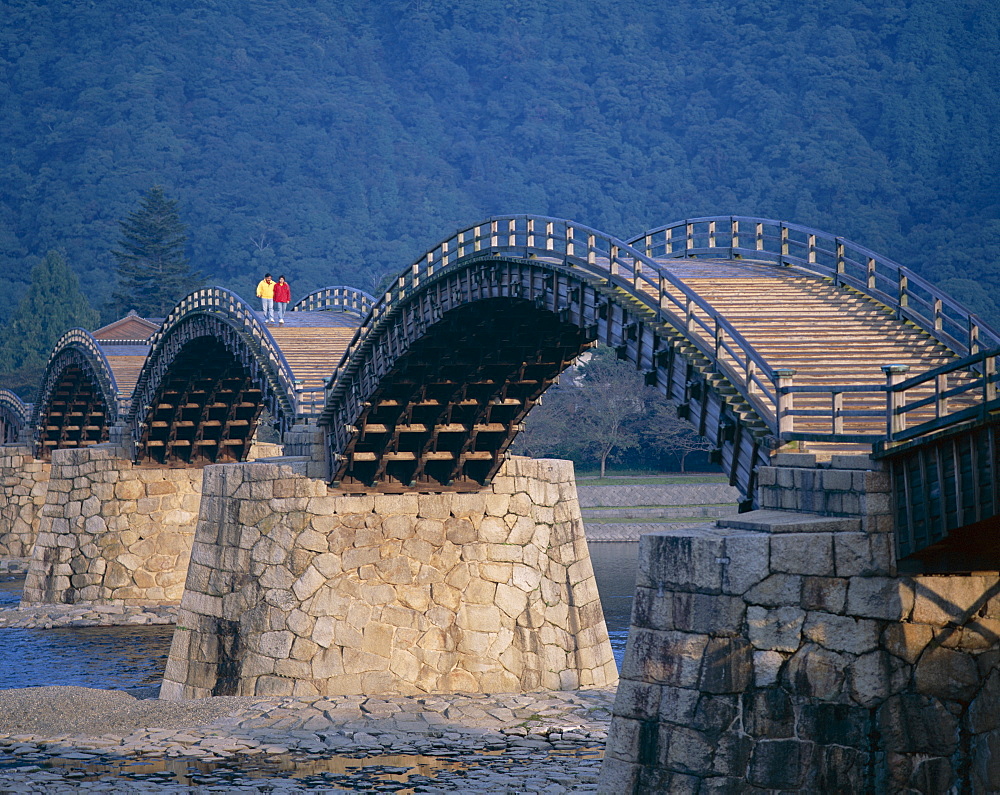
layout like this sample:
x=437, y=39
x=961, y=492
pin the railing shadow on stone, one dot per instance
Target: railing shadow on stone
x=787, y=661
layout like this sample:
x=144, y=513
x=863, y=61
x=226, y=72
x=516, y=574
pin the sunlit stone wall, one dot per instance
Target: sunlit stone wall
x=296, y=589
x=23, y=483
x=790, y=657
x=111, y=532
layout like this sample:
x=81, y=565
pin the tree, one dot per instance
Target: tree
x=611, y=399
x=52, y=305
x=153, y=270
x=662, y=430
x=601, y=412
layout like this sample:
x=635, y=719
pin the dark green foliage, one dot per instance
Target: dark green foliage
x=51, y=305
x=153, y=271
x=337, y=141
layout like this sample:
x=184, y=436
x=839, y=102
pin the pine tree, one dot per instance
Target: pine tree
x=153, y=271
x=53, y=305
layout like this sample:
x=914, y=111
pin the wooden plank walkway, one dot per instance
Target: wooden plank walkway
x=830, y=336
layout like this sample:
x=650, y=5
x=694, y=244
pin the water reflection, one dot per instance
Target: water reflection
x=614, y=567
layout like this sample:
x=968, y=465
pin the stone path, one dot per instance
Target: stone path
x=545, y=742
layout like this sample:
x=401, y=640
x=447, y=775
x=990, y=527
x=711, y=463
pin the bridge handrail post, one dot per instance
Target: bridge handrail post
x=895, y=420
x=904, y=294
x=837, y=412
x=785, y=400
x=989, y=378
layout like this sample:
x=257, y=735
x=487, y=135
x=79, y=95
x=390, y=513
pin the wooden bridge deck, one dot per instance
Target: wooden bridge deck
x=830, y=336
x=313, y=342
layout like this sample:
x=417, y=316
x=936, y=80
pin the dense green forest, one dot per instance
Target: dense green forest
x=336, y=141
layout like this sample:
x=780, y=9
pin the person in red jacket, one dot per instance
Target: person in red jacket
x=282, y=295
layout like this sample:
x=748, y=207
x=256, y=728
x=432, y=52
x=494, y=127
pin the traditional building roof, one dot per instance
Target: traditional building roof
x=130, y=327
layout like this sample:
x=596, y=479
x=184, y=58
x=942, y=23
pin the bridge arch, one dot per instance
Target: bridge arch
x=439, y=377
x=14, y=417
x=212, y=368
x=78, y=399
x=338, y=299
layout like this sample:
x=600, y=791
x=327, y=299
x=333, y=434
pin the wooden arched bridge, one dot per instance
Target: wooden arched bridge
x=14, y=416
x=766, y=334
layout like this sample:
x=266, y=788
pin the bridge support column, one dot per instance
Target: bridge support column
x=296, y=589
x=23, y=484
x=111, y=532
x=308, y=441
x=779, y=650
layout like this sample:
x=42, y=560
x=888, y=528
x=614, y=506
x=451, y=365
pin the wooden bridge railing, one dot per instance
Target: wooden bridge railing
x=606, y=258
x=340, y=299
x=964, y=390
x=909, y=295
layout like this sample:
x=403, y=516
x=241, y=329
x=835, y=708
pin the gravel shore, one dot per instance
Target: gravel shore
x=57, y=738
x=50, y=711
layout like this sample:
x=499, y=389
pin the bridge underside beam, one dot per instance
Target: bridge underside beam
x=206, y=409
x=450, y=407
x=75, y=415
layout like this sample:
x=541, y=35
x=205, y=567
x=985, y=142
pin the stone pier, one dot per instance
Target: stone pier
x=780, y=651
x=23, y=483
x=297, y=589
x=112, y=532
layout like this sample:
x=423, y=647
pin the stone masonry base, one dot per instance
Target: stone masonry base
x=23, y=482
x=795, y=662
x=111, y=532
x=295, y=589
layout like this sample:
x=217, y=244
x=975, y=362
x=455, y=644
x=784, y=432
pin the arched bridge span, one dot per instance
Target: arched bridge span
x=78, y=398
x=14, y=417
x=434, y=386
x=212, y=348
x=215, y=365
x=763, y=332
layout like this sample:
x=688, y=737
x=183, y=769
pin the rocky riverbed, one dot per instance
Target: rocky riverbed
x=55, y=738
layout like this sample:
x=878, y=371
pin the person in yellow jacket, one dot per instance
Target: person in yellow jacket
x=265, y=292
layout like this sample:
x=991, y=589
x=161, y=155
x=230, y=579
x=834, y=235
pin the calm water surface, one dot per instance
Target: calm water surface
x=111, y=658
x=121, y=658
x=614, y=568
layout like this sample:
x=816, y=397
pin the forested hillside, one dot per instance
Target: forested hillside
x=336, y=141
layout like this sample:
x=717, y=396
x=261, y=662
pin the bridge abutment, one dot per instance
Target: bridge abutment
x=779, y=650
x=294, y=589
x=23, y=484
x=112, y=532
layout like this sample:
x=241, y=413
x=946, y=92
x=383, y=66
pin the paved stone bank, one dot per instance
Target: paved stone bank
x=792, y=660
x=23, y=483
x=111, y=532
x=294, y=589
x=611, y=532
x=49, y=616
x=629, y=495
x=14, y=565
x=540, y=742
